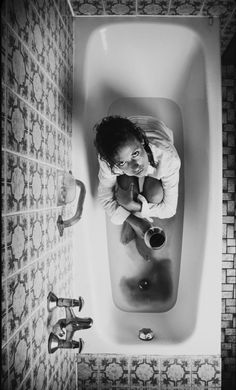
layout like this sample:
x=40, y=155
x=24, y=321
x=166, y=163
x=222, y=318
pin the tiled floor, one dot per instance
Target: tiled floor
x=147, y=372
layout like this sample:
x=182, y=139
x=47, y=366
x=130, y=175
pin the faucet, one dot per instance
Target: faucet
x=63, y=331
x=69, y=325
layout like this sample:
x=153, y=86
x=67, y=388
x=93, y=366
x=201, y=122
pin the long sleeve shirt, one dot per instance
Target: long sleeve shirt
x=167, y=163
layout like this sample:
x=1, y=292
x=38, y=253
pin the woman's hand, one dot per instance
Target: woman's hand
x=139, y=225
x=125, y=198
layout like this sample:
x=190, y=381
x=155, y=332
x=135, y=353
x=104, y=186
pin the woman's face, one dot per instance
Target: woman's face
x=132, y=158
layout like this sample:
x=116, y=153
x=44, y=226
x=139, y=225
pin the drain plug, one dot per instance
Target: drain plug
x=146, y=334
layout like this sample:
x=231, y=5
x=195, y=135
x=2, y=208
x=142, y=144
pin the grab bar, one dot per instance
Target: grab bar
x=62, y=224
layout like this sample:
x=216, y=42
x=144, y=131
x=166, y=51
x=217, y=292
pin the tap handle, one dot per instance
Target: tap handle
x=55, y=343
x=53, y=301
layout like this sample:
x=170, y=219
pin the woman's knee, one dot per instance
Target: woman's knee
x=124, y=182
x=153, y=190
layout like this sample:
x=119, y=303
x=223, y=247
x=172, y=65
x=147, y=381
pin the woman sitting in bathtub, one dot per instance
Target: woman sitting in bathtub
x=138, y=173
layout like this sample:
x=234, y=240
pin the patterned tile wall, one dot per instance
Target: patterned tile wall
x=224, y=9
x=36, y=109
x=120, y=372
x=228, y=346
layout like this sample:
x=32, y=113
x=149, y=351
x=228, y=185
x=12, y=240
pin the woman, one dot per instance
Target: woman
x=138, y=172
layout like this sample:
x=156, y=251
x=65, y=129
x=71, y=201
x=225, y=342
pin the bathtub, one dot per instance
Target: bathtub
x=167, y=67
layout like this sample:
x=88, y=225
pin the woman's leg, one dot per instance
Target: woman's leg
x=124, y=181
x=153, y=190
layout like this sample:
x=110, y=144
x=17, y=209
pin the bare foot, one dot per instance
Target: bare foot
x=127, y=233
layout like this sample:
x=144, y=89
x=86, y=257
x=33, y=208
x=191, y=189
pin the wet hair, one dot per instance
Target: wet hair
x=113, y=132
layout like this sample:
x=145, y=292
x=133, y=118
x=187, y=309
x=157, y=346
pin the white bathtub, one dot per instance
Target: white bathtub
x=147, y=61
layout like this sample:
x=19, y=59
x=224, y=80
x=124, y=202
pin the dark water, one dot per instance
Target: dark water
x=154, y=284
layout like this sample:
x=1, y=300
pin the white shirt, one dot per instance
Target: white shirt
x=160, y=139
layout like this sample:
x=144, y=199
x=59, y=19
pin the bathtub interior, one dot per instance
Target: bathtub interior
x=134, y=262
x=98, y=92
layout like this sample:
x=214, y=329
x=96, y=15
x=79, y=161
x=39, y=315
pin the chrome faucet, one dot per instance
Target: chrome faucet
x=69, y=325
x=63, y=331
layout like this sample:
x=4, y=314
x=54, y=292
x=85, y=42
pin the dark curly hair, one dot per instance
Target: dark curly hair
x=111, y=134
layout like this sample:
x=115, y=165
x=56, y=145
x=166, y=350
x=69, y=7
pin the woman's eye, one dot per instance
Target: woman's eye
x=136, y=153
x=121, y=164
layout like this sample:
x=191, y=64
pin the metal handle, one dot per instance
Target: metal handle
x=62, y=224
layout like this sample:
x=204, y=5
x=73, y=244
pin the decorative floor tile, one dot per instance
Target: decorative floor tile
x=62, y=114
x=4, y=365
x=65, y=368
x=19, y=17
x=18, y=300
x=39, y=332
x=69, y=120
x=62, y=77
x=36, y=185
x=51, y=229
x=69, y=154
x=3, y=50
x=228, y=31
x=18, y=66
x=206, y=372
x=61, y=264
x=61, y=149
x=41, y=7
x=51, y=101
x=17, y=124
x=36, y=136
x=38, y=44
x=144, y=371
x=52, y=278
x=63, y=42
x=17, y=242
x=185, y=7
x=50, y=144
x=120, y=7
x=52, y=21
x=19, y=356
x=36, y=235
x=175, y=373
x=153, y=7
x=52, y=60
x=4, y=313
x=17, y=185
x=113, y=371
x=40, y=373
x=37, y=87
x=27, y=383
x=87, y=7
x=87, y=371
x=3, y=116
x=3, y=249
x=3, y=183
x=37, y=283
x=50, y=187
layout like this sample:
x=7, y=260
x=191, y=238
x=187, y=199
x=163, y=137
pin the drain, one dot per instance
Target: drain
x=146, y=334
x=144, y=284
